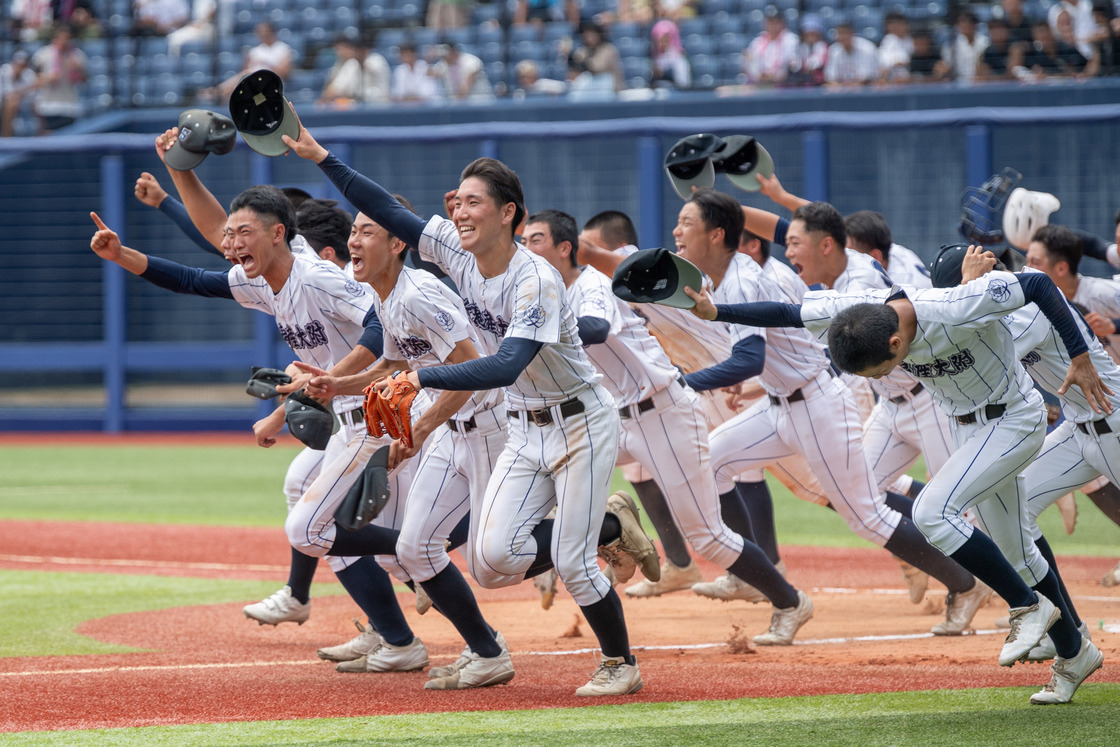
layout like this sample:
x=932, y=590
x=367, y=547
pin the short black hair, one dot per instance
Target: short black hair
x=763, y=244
x=719, y=210
x=502, y=184
x=615, y=227
x=823, y=217
x=269, y=204
x=562, y=227
x=859, y=336
x=869, y=228
x=325, y=224
x=1062, y=245
x=296, y=195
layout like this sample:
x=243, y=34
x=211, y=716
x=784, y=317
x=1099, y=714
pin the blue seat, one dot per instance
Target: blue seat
x=729, y=43
x=697, y=25
x=632, y=46
x=723, y=23
x=528, y=49
x=489, y=33
x=462, y=36
x=491, y=52
x=556, y=30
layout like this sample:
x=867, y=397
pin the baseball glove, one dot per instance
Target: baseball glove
x=368, y=495
x=262, y=384
x=393, y=407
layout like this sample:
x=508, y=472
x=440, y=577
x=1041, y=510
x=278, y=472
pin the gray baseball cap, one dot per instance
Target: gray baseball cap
x=261, y=113
x=201, y=133
x=309, y=420
x=689, y=163
x=656, y=276
x=742, y=157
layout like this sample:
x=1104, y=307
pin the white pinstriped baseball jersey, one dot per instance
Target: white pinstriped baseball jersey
x=422, y=320
x=793, y=356
x=689, y=341
x=526, y=301
x=906, y=268
x=1101, y=295
x=319, y=312
x=633, y=364
x=951, y=322
x=787, y=279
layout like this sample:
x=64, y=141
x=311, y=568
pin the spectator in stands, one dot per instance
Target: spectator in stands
x=159, y=17
x=345, y=83
x=530, y=83
x=895, y=48
x=926, y=63
x=17, y=82
x=270, y=53
x=771, y=55
x=539, y=12
x=812, y=52
x=80, y=15
x=1081, y=18
x=411, y=81
x=1106, y=38
x=61, y=69
x=640, y=12
x=1017, y=21
x=596, y=65
x=31, y=20
x=671, y=68
x=462, y=75
x=1002, y=53
x=961, y=54
x=208, y=17
x=1049, y=57
x=852, y=60
x=448, y=14
x=1066, y=36
x=378, y=74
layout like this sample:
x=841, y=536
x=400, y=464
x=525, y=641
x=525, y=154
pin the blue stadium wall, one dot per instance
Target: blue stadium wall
x=85, y=347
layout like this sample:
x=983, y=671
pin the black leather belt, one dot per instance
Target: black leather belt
x=797, y=396
x=646, y=404
x=991, y=412
x=1098, y=426
x=900, y=399
x=463, y=426
x=354, y=417
x=543, y=416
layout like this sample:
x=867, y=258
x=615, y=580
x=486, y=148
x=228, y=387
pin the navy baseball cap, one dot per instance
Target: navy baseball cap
x=201, y=133
x=689, y=163
x=945, y=269
x=656, y=276
x=742, y=157
x=309, y=420
x=261, y=113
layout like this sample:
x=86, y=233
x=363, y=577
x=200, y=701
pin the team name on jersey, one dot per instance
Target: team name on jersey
x=1030, y=358
x=310, y=335
x=413, y=347
x=484, y=320
x=956, y=364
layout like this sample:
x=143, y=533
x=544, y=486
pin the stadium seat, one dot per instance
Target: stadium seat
x=632, y=46
x=697, y=25
x=729, y=43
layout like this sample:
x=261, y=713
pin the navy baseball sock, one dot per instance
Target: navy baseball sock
x=611, y=529
x=755, y=568
x=734, y=514
x=910, y=545
x=435, y=605
x=673, y=544
x=449, y=589
x=300, y=573
x=915, y=488
x=1044, y=548
x=900, y=503
x=370, y=587
x=981, y=557
x=1107, y=499
x=542, y=535
x=760, y=506
x=369, y=540
x=460, y=534
x=1064, y=633
x=609, y=626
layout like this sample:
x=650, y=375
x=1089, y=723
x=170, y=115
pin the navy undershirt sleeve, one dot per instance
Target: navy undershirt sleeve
x=191, y=280
x=1039, y=289
x=593, y=330
x=760, y=314
x=174, y=210
x=372, y=338
x=748, y=357
x=1092, y=245
x=371, y=198
x=780, y=231
x=490, y=372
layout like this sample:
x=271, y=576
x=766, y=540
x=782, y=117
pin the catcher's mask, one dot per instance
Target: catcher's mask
x=981, y=206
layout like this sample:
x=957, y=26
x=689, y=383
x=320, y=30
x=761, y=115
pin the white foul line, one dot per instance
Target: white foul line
x=134, y=563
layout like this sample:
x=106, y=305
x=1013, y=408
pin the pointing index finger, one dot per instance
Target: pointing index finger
x=99, y=223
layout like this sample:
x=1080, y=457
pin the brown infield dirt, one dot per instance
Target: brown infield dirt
x=211, y=664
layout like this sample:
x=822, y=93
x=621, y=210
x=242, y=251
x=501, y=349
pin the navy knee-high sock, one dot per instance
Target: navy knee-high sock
x=300, y=573
x=915, y=488
x=901, y=503
x=609, y=625
x=369, y=540
x=460, y=533
x=735, y=516
x=755, y=568
x=981, y=557
x=370, y=587
x=909, y=544
x=1064, y=634
x=542, y=535
x=1044, y=548
x=672, y=541
x=449, y=589
x=760, y=506
x=1107, y=499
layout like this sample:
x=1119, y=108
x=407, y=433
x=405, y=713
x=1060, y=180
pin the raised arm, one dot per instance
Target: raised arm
x=207, y=214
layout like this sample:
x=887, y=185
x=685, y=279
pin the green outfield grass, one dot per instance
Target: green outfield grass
x=962, y=718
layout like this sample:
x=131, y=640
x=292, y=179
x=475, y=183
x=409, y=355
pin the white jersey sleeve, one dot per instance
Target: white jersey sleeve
x=1101, y=296
x=906, y=268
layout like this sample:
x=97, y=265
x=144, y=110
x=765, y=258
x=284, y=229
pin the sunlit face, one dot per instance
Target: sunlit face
x=900, y=348
x=480, y=221
x=254, y=242
x=227, y=244
x=1116, y=235
x=805, y=252
x=372, y=249
x=1038, y=258
x=692, y=235
x=538, y=238
x=753, y=249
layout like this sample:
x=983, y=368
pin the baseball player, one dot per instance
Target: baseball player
x=662, y=426
x=320, y=312
x=955, y=342
x=563, y=425
x=868, y=233
x=425, y=323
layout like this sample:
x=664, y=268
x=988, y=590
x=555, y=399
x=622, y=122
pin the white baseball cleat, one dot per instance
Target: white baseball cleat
x=1112, y=578
x=278, y=608
x=545, y=583
x=960, y=608
x=355, y=648
x=436, y=673
x=634, y=540
x=389, y=658
x=673, y=578
x=1068, y=674
x=784, y=623
x=613, y=677
x=1045, y=650
x=1028, y=625
x=478, y=671
x=729, y=587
